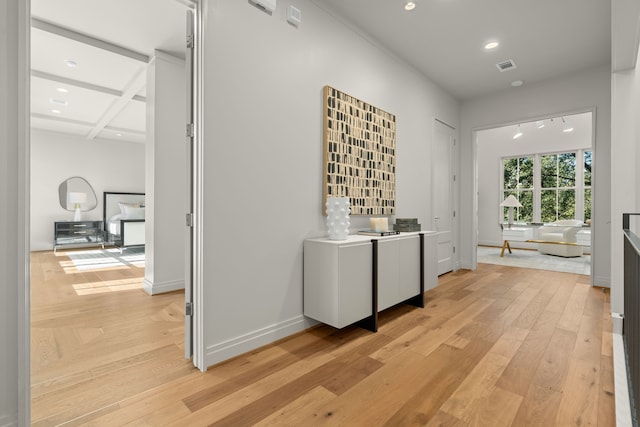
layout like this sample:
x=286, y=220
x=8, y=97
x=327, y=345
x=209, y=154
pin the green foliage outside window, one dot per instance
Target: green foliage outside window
x=558, y=186
x=587, y=184
x=518, y=180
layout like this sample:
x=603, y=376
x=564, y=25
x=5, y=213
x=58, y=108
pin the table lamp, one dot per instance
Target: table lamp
x=76, y=199
x=511, y=202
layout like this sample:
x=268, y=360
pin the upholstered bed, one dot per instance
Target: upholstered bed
x=124, y=219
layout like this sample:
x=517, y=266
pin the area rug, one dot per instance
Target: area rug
x=107, y=258
x=534, y=259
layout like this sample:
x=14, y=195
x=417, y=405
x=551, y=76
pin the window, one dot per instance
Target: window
x=518, y=180
x=558, y=182
x=587, y=185
x=550, y=187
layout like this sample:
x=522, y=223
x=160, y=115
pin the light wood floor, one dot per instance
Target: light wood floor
x=500, y=346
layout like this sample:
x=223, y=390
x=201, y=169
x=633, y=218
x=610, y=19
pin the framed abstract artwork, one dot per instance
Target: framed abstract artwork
x=359, y=154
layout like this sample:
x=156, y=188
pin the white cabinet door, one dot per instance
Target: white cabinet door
x=388, y=273
x=337, y=282
x=355, y=290
x=409, y=267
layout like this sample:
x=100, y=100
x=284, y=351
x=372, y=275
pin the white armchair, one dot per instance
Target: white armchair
x=564, y=231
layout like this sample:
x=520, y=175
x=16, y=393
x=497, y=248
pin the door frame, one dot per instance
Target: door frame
x=594, y=190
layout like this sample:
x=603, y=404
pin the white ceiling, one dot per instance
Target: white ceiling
x=111, y=40
x=445, y=39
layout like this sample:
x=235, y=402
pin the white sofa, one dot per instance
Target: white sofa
x=565, y=231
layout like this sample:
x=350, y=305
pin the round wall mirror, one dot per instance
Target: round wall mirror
x=75, y=193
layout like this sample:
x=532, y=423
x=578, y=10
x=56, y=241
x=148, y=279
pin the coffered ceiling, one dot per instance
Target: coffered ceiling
x=89, y=60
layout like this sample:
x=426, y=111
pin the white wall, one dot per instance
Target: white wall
x=590, y=89
x=263, y=157
x=625, y=157
x=166, y=182
x=494, y=144
x=14, y=214
x=106, y=165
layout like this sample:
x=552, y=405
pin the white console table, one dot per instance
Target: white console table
x=349, y=281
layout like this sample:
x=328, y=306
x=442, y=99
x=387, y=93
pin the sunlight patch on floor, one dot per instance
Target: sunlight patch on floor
x=102, y=287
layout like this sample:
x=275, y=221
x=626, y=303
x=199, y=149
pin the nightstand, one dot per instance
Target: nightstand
x=78, y=233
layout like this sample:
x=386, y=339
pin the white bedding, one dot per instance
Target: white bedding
x=113, y=225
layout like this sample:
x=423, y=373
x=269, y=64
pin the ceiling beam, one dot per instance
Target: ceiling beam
x=62, y=120
x=83, y=85
x=138, y=81
x=91, y=41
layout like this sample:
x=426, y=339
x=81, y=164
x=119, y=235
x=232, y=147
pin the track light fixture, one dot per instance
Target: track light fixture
x=518, y=133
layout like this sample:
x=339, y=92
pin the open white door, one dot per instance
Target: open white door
x=188, y=280
x=442, y=194
x=193, y=324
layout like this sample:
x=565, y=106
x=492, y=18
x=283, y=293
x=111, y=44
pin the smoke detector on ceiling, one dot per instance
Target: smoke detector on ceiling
x=506, y=65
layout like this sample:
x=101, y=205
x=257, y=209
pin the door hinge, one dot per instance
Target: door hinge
x=189, y=219
x=454, y=178
x=454, y=214
x=454, y=249
x=190, y=130
x=188, y=309
x=189, y=41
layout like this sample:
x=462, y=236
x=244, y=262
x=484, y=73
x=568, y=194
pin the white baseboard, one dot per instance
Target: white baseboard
x=602, y=281
x=6, y=421
x=617, y=319
x=162, y=287
x=244, y=343
x=623, y=407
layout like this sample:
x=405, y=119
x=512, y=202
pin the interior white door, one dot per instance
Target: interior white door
x=442, y=194
x=188, y=285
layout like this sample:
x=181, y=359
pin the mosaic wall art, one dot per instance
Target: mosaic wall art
x=359, y=154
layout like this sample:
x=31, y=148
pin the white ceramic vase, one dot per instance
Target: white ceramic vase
x=338, y=222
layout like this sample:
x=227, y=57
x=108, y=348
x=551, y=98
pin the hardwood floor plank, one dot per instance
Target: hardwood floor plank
x=428, y=342
x=606, y=398
x=295, y=413
x=519, y=372
x=554, y=365
x=495, y=346
x=466, y=399
x=538, y=408
x=498, y=409
x=237, y=403
x=579, y=403
x=442, y=419
x=572, y=313
x=441, y=382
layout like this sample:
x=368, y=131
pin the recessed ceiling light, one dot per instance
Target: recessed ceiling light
x=63, y=90
x=56, y=111
x=118, y=134
x=539, y=124
x=567, y=130
x=58, y=101
x=491, y=45
x=409, y=5
x=517, y=83
x=71, y=63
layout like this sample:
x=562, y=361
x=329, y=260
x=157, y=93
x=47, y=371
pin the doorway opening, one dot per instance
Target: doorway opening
x=535, y=196
x=91, y=321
